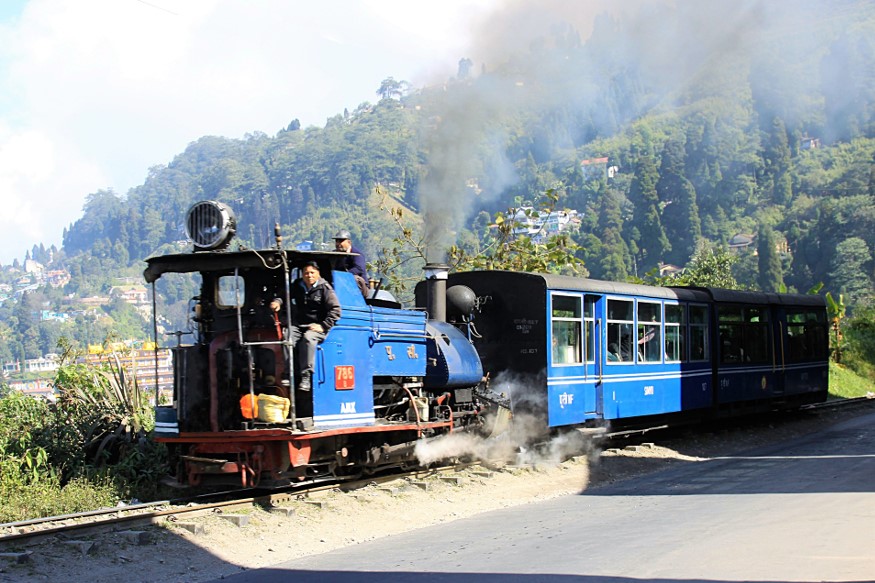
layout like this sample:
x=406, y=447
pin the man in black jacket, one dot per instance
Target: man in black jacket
x=316, y=311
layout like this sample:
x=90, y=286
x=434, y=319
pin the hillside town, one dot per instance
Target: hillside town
x=33, y=374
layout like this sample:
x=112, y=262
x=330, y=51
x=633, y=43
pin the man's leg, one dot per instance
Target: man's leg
x=307, y=357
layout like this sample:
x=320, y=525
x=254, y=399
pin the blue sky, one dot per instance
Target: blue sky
x=10, y=9
x=93, y=93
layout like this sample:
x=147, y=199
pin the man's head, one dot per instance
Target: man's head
x=342, y=241
x=310, y=273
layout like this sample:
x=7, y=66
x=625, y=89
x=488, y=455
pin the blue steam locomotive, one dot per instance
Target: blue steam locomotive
x=479, y=347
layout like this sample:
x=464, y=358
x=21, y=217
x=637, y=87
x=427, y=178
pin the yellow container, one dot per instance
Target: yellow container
x=273, y=409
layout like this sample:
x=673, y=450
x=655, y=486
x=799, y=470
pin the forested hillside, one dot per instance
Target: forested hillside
x=667, y=128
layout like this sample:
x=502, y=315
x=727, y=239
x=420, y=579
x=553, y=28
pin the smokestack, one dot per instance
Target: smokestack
x=436, y=290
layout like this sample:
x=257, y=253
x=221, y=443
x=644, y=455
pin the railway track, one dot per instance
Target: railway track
x=180, y=510
x=184, y=509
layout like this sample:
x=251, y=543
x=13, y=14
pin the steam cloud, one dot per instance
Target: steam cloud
x=526, y=441
x=600, y=65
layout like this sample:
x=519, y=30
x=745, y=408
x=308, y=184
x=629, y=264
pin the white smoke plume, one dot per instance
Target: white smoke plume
x=555, y=65
x=527, y=440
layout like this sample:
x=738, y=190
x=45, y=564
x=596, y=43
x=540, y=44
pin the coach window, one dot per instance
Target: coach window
x=674, y=333
x=816, y=335
x=731, y=328
x=698, y=333
x=620, y=331
x=806, y=335
x=230, y=291
x=567, y=323
x=649, y=337
x=756, y=334
x=796, y=348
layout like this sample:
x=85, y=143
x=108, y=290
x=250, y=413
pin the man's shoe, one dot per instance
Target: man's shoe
x=304, y=385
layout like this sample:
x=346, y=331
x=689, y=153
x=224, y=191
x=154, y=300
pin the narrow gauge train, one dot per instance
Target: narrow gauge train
x=571, y=352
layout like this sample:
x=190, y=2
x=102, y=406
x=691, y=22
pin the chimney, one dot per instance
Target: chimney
x=436, y=290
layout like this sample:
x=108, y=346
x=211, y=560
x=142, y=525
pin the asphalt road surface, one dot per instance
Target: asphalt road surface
x=797, y=511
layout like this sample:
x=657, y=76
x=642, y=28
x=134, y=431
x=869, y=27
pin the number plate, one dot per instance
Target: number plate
x=344, y=377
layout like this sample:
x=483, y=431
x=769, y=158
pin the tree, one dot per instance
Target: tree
x=770, y=275
x=710, y=267
x=850, y=270
x=778, y=164
x=392, y=89
x=651, y=240
x=677, y=197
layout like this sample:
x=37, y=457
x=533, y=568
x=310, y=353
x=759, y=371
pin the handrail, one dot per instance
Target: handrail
x=398, y=334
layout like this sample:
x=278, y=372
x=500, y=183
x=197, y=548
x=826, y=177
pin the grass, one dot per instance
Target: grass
x=846, y=384
x=49, y=498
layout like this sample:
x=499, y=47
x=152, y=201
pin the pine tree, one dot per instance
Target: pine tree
x=778, y=164
x=653, y=244
x=612, y=263
x=678, y=199
x=771, y=275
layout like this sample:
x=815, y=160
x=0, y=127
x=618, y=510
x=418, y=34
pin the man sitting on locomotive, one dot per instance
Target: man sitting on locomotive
x=316, y=310
x=354, y=262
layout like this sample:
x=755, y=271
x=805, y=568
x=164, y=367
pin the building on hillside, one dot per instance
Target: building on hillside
x=668, y=269
x=539, y=224
x=741, y=241
x=140, y=363
x=136, y=295
x=45, y=363
x=94, y=301
x=47, y=315
x=57, y=277
x=809, y=143
x=31, y=266
x=42, y=388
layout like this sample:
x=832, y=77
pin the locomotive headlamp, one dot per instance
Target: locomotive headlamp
x=210, y=225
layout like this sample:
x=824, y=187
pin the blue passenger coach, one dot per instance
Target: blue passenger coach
x=583, y=351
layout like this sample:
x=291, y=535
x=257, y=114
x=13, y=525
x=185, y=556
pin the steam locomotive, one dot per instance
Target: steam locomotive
x=479, y=348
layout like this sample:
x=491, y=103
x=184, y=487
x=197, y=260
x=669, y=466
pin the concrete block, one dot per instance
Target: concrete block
x=85, y=547
x=192, y=527
x=283, y=511
x=236, y=519
x=454, y=480
x=17, y=558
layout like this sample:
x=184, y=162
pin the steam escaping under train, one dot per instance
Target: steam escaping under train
x=479, y=347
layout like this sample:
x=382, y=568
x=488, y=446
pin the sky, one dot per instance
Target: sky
x=95, y=92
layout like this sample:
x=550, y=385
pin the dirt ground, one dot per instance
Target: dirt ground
x=169, y=553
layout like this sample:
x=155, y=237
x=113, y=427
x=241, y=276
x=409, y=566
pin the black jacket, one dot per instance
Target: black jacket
x=355, y=263
x=317, y=305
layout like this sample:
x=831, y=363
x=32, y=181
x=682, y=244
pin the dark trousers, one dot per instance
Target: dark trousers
x=304, y=343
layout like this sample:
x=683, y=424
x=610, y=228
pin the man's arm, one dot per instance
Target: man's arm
x=359, y=265
x=332, y=308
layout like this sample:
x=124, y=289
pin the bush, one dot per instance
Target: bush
x=858, y=350
x=87, y=450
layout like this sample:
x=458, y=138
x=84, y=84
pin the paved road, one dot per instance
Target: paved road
x=798, y=511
